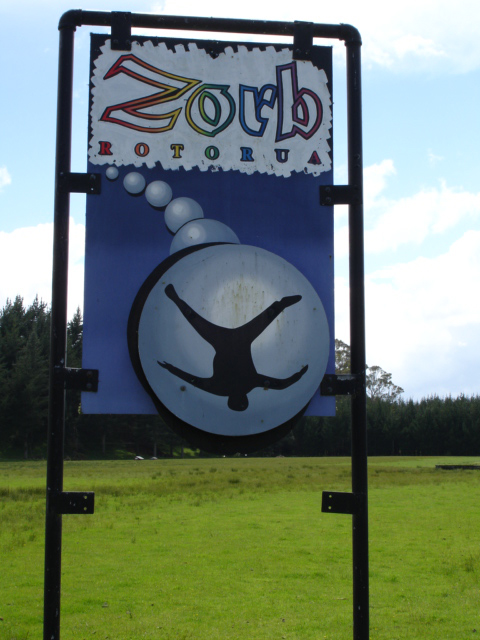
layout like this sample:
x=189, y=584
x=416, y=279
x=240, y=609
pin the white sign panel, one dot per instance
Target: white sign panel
x=246, y=110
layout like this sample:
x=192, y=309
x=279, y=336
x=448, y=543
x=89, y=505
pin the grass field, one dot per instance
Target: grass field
x=239, y=548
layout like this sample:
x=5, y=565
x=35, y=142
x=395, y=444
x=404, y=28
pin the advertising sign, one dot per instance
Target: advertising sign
x=209, y=261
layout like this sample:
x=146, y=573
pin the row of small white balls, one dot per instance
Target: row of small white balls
x=183, y=216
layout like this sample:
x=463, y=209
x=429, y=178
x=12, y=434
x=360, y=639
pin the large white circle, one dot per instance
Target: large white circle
x=229, y=285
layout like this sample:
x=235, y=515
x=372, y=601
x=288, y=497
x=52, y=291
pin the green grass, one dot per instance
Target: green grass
x=239, y=548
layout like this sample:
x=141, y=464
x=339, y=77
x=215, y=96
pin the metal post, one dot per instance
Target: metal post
x=56, y=419
x=357, y=342
x=356, y=503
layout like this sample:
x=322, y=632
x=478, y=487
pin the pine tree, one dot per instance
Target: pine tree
x=24, y=340
x=12, y=331
x=73, y=438
x=27, y=399
x=74, y=340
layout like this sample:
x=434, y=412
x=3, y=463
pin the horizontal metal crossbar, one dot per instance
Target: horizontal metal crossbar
x=78, y=17
x=338, y=502
x=339, y=194
x=76, y=502
x=340, y=385
x=79, y=379
x=81, y=183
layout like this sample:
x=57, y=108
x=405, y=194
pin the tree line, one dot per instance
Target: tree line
x=396, y=426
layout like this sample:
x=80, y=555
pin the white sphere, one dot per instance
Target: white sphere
x=112, y=173
x=134, y=183
x=200, y=232
x=180, y=211
x=158, y=193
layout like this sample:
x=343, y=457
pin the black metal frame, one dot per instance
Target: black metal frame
x=60, y=502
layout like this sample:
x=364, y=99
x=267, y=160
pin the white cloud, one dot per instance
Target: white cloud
x=26, y=264
x=375, y=180
x=423, y=318
x=412, y=219
x=416, y=45
x=412, y=36
x=5, y=177
x=390, y=224
x=415, y=35
x=342, y=321
x=433, y=158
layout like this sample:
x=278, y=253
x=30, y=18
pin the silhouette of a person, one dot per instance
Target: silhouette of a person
x=234, y=373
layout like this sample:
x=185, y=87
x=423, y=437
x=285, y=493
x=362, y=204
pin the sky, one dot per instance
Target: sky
x=421, y=91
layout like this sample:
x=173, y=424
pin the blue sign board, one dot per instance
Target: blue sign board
x=209, y=261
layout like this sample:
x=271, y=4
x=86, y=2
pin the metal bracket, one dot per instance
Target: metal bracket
x=338, y=502
x=78, y=379
x=121, y=31
x=340, y=385
x=76, y=502
x=81, y=183
x=339, y=194
x=302, y=40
